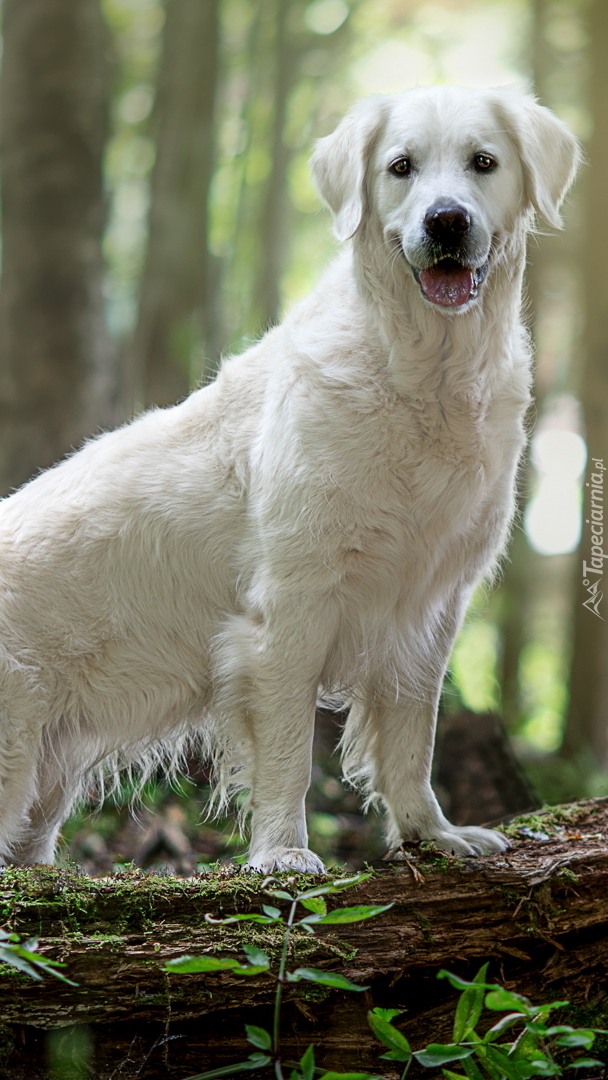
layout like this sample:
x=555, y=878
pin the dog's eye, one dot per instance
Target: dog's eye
x=483, y=162
x=401, y=167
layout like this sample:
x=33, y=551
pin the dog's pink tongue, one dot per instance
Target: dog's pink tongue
x=446, y=286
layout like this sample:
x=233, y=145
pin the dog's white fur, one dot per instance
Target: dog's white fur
x=317, y=517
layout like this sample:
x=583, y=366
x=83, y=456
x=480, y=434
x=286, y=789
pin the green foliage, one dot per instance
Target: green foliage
x=25, y=957
x=536, y=1050
x=257, y=962
x=533, y=1049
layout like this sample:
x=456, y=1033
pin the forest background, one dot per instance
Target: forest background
x=157, y=213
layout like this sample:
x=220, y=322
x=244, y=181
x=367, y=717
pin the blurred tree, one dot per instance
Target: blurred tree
x=587, y=725
x=176, y=309
x=56, y=369
x=515, y=585
x=286, y=47
x=287, y=79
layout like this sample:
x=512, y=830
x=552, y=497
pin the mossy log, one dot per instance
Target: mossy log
x=538, y=913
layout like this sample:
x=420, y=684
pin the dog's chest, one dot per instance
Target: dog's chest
x=435, y=496
x=449, y=456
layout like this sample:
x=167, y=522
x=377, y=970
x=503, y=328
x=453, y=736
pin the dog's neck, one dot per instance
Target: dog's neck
x=429, y=347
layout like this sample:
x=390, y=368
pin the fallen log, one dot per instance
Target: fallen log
x=538, y=913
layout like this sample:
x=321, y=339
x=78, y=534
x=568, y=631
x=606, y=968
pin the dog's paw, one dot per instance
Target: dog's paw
x=469, y=840
x=300, y=860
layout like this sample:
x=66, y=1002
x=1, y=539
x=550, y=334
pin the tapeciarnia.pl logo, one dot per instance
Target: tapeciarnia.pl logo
x=593, y=570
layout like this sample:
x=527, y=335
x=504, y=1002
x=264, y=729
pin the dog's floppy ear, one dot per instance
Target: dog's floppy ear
x=549, y=152
x=339, y=164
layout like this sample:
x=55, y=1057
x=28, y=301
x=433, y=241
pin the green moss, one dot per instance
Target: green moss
x=568, y=874
x=425, y=923
x=61, y=903
x=592, y=1015
x=549, y=819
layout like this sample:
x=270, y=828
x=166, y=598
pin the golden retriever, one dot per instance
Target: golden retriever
x=314, y=520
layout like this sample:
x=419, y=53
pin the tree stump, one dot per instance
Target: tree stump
x=538, y=913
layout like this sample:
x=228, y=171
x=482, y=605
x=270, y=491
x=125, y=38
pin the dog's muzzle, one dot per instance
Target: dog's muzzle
x=449, y=279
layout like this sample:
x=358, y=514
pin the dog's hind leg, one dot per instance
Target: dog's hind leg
x=37, y=840
x=21, y=726
x=67, y=753
x=18, y=753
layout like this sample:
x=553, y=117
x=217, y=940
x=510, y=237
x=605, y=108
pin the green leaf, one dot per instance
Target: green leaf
x=327, y=978
x=280, y=894
x=16, y=961
x=240, y=918
x=347, y=915
x=256, y=956
x=503, y=1024
x=439, y=1054
x=33, y=957
x=315, y=903
x=28, y=961
x=390, y=1036
x=334, y=887
x=453, y=1076
x=507, y=1066
x=256, y=1061
x=186, y=965
x=386, y=1014
x=581, y=1037
x=307, y=1063
x=470, y=1004
x=541, y=1067
x=258, y=1036
x=462, y=984
x=349, y=1076
x=499, y=999
x=586, y=1063
x=471, y=1069
x=271, y=912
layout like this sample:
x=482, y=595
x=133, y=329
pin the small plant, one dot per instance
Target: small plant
x=267, y=1043
x=25, y=958
x=531, y=1052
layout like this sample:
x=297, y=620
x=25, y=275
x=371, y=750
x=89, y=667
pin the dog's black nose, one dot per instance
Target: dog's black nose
x=446, y=222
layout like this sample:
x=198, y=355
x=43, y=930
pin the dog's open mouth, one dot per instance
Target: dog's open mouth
x=450, y=283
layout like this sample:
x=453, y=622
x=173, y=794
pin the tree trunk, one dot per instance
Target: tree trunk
x=538, y=913
x=587, y=725
x=174, y=327
x=56, y=369
x=272, y=232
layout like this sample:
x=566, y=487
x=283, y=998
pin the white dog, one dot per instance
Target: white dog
x=316, y=518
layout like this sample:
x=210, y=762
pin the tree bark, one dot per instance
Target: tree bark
x=587, y=725
x=273, y=218
x=56, y=360
x=538, y=913
x=174, y=326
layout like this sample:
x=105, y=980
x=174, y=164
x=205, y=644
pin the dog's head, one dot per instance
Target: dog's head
x=445, y=174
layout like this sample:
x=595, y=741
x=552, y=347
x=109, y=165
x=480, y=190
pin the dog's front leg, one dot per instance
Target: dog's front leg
x=286, y=645
x=404, y=740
